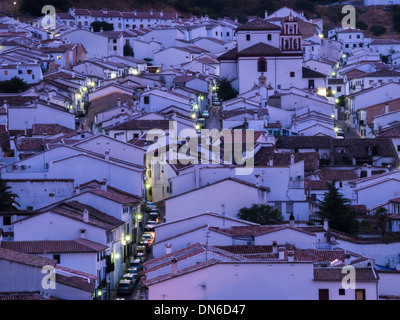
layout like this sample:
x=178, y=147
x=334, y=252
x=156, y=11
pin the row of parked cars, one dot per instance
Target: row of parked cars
x=130, y=278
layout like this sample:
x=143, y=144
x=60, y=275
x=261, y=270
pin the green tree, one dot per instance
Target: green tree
x=377, y=30
x=381, y=217
x=102, y=24
x=225, y=90
x=14, y=85
x=7, y=198
x=128, y=51
x=338, y=211
x=260, y=213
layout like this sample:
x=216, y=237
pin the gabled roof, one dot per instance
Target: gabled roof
x=25, y=258
x=309, y=73
x=54, y=246
x=220, y=181
x=258, y=24
x=74, y=210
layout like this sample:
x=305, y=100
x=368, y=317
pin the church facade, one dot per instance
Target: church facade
x=268, y=50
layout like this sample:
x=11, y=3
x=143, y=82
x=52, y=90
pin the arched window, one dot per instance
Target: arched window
x=269, y=37
x=262, y=65
x=247, y=37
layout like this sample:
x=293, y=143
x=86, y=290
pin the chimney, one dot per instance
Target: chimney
x=52, y=197
x=168, y=248
x=78, y=189
x=274, y=247
x=281, y=253
x=290, y=256
x=174, y=270
x=386, y=108
x=271, y=162
x=265, y=14
x=107, y=155
x=104, y=185
x=292, y=159
x=291, y=220
x=119, y=102
x=85, y=215
x=257, y=180
x=326, y=225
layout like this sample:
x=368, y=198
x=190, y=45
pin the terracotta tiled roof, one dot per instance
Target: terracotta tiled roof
x=337, y=175
x=25, y=258
x=120, y=197
x=142, y=125
x=264, y=154
x=50, y=129
x=255, y=230
x=61, y=246
x=335, y=274
x=309, y=73
x=258, y=24
x=383, y=73
x=304, y=142
x=391, y=132
x=24, y=295
x=316, y=184
x=75, y=282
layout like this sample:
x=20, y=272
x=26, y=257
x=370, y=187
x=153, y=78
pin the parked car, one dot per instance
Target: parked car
x=149, y=237
x=125, y=286
x=149, y=228
x=130, y=276
x=201, y=122
x=151, y=223
x=135, y=263
x=154, y=217
x=150, y=206
x=132, y=270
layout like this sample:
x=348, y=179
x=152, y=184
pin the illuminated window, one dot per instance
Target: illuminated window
x=58, y=57
x=6, y=72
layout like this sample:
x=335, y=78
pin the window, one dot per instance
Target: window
x=346, y=45
x=146, y=100
x=57, y=257
x=292, y=74
x=269, y=37
x=311, y=84
x=227, y=34
x=114, y=40
x=6, y=221
x=342, y=292
x=6, y=72
x=313, y=197
x=339, y=89
x=29, y=71
x=247, y=37
x=262, y=65
x=323, y=294
x=115, y=48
